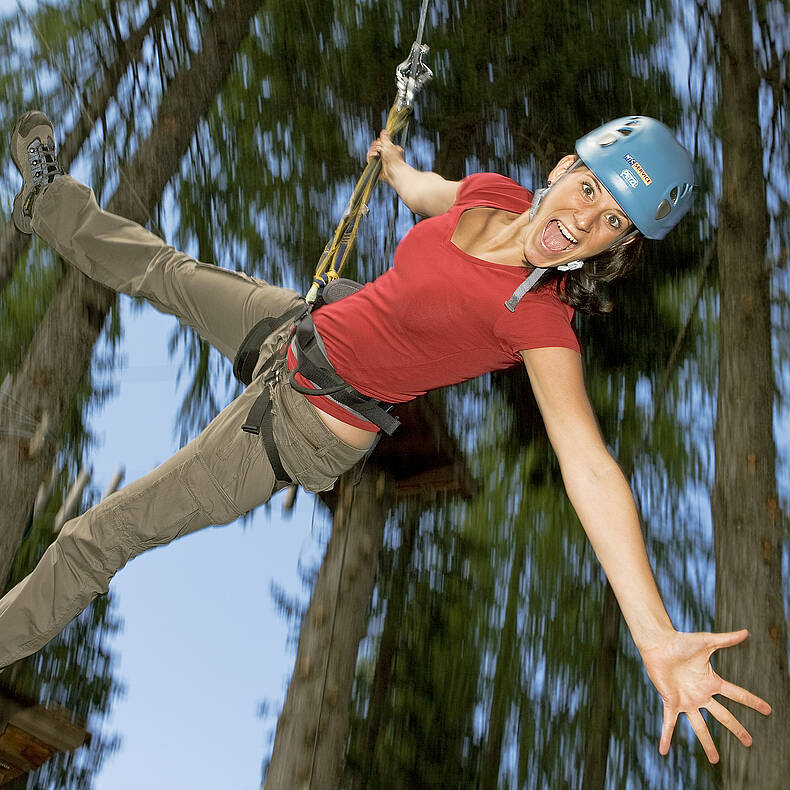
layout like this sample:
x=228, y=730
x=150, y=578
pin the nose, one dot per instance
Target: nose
x=584, y=218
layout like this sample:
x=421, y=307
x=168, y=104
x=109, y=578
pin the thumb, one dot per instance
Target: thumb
x=729, y=638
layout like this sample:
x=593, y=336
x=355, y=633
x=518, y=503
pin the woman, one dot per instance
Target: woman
x=453, y=306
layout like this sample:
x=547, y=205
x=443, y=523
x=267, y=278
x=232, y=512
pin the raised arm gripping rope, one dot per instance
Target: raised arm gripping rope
x=410, y=76
x=312, y=361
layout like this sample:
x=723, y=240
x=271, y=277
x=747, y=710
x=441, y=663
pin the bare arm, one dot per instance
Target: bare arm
x=425, y=193
x=597, y=489
x=677, y=663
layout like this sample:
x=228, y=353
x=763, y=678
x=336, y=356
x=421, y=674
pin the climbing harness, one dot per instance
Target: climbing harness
x=312, y=363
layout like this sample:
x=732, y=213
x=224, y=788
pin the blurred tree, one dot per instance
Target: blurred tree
x=50, y=321
x=75, y=672
x=61, y=349
x=311, y=731
x=749, y=530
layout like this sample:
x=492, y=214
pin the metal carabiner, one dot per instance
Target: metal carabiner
x=411, y=75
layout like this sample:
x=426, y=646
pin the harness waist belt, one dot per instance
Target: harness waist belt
x=313, y=363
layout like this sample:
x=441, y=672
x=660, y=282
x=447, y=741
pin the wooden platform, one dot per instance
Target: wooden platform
x=422, y=456
x=30, y=735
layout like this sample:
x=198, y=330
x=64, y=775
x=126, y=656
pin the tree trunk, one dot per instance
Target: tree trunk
x=503, y=696
x=13, y=244
x=61, y=350
x=390, y=636
x=746, y=516
x=596, y=750
x=293, y=759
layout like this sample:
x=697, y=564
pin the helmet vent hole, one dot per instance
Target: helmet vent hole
x=625, y=131
x=673, y=195
x=686, y=189
x=607, y=139
x=663, y=209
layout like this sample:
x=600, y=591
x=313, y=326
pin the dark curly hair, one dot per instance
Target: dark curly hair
x=579, y=288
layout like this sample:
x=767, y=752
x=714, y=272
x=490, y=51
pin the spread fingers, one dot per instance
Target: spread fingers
x=701, y=730
x=722, y=715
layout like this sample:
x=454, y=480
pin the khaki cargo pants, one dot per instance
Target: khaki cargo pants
x=217, y=477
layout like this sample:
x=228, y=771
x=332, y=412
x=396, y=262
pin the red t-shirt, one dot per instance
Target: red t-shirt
x=438, y=316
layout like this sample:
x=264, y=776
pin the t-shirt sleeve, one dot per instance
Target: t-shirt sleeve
x=493, y=189
x=540, y=321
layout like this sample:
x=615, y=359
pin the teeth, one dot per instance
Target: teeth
x=565, y=232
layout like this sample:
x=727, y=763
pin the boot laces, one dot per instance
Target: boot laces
x=43, y=162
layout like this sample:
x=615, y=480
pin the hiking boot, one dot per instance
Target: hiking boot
x=33, y=152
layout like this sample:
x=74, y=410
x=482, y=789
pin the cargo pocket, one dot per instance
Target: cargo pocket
x=310, y=452
x=163, y=510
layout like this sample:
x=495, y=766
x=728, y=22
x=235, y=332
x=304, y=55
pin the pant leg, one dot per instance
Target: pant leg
x=222, y=305
x=220, y=475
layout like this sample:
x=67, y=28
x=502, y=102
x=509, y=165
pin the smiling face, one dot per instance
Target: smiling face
x=576, y=219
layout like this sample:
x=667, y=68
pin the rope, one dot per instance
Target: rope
x=681, y=336
x=421, y=26
x=346, y=527
x=337, y=250
x=410, y=76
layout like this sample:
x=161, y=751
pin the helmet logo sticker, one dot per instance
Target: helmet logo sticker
x=628, y=177
x=640, y=171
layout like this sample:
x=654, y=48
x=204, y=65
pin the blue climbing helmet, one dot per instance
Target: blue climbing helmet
x=644, y=168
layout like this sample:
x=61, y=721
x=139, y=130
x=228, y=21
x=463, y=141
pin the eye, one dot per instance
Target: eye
x=587, y=189
x=614, y=221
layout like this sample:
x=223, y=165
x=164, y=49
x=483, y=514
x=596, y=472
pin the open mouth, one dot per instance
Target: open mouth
x=557, y=238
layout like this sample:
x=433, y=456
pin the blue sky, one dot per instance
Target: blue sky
x=202, y=645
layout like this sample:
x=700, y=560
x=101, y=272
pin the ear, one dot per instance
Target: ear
x=562, y=167
x=631, y=237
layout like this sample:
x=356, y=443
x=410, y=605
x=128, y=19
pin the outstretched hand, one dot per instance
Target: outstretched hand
x=681, y=672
